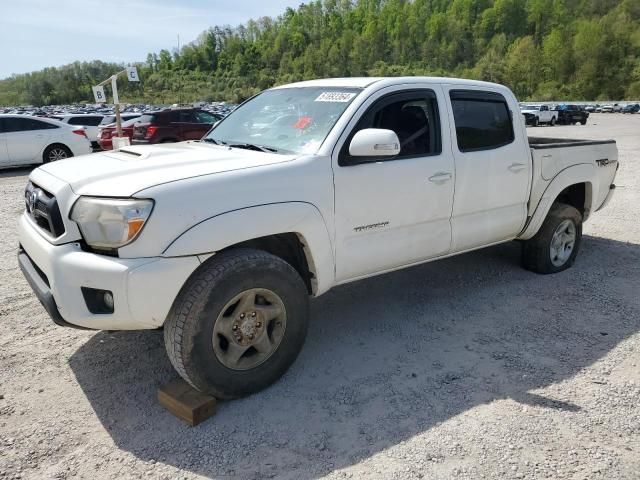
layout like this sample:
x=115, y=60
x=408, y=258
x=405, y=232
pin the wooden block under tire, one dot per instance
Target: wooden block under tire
x=186, y=403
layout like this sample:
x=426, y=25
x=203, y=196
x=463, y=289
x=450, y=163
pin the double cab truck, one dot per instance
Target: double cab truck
x=539, y=114
x=222, y=242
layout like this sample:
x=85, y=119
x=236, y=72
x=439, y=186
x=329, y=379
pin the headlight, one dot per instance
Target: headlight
x=110, y=222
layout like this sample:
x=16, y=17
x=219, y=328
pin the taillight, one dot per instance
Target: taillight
x=80, y=132
x=151, y=130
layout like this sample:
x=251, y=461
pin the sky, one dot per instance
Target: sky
x=44, y=33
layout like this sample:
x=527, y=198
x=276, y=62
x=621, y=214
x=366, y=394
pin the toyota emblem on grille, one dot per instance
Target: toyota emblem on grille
x=32, y=197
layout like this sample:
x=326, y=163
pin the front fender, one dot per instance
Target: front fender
x=582, y=173
x=230, y=228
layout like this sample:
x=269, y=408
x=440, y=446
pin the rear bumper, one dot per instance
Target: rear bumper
x=143, y=288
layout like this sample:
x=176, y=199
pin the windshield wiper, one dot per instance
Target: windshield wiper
x=247, y=146
x=253, y=146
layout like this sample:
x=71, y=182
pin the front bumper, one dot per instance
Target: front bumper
x=143, y=288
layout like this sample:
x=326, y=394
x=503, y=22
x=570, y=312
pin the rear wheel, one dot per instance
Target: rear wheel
x=238, y=323
x=553, y=121
x=555, y=246
x=583, y=122
x=56, y=152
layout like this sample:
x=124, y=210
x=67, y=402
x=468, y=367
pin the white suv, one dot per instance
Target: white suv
x=89, y=121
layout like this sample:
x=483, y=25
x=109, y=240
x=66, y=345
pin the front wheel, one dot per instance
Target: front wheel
x=238, y=323
x=555, y=246
x=553, y=121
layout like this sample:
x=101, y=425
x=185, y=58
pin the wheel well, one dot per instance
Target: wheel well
x=52, y=145
x=576, y=196
x=287, y=246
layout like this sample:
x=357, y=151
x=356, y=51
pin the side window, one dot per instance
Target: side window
x=25, y=125
x=204, y=117
x=483, y=120
x=413, y=116
x=544, y=108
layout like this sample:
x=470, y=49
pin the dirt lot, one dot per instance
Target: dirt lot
x=470, y=367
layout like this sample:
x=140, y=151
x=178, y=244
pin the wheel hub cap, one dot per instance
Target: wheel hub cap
x=562, y=243
x=249, y=329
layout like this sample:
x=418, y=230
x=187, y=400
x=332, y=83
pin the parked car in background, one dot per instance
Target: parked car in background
x=109, y=119
x=591, y=108
x=107, y=132
x=571, y=114
x=537, y=114
x=175, y=125
x=631, y=108
x=26, y=140
x=89, y=121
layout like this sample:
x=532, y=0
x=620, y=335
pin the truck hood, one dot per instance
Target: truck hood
x=122, y=173
x=528, y=110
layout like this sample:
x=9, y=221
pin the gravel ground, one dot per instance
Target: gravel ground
x=469, y=367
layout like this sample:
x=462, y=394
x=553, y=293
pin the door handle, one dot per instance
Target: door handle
x=517, y=167
x=440, y=178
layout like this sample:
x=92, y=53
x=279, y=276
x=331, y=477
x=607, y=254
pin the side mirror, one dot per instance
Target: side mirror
x=374, y=142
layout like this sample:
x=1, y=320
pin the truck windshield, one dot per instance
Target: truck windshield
x=287, y=120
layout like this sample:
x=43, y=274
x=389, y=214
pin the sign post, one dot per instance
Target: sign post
x=98, y=93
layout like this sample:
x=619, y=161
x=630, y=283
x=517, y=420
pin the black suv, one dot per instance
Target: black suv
x=571, y=114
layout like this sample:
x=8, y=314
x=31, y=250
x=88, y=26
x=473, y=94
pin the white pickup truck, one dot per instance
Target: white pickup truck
x=538, y=114
x=304, y=187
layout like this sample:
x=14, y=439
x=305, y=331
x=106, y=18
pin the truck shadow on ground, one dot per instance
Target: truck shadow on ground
x=386, y=359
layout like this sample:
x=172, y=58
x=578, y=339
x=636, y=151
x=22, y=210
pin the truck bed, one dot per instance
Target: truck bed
x=543, y=142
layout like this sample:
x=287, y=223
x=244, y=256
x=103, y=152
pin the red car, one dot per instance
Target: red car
x=109, y=131
x=174, y=125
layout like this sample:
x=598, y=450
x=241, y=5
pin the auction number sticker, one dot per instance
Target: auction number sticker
x=341, y=97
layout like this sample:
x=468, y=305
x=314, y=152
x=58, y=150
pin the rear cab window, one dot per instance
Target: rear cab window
x=482, y=120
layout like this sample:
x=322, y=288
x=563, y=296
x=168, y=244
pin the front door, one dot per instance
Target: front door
x=394, y=211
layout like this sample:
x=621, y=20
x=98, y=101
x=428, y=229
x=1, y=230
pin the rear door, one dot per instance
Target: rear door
x=183, y=122
x=493, y=168
x=394, y=211
x=26, y=139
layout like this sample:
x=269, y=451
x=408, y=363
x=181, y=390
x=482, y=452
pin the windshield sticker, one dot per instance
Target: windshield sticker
x=341, y=97
x=302, y=123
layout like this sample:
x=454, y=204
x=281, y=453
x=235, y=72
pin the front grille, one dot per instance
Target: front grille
x=43, y=208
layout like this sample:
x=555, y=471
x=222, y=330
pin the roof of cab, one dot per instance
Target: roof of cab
x=364, y=82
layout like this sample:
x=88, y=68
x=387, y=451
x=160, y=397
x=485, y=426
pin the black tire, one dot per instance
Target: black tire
x=188, y=331
x=583, y=122
x=55, y=152
x=553, y=121
x=536, y=122
x=536, y=252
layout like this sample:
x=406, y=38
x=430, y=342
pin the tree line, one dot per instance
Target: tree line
x=541, y=49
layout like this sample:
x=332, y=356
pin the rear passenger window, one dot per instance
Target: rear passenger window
x=483, y=120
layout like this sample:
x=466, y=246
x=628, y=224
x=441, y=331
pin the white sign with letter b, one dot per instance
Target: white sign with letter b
x=98, y=94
